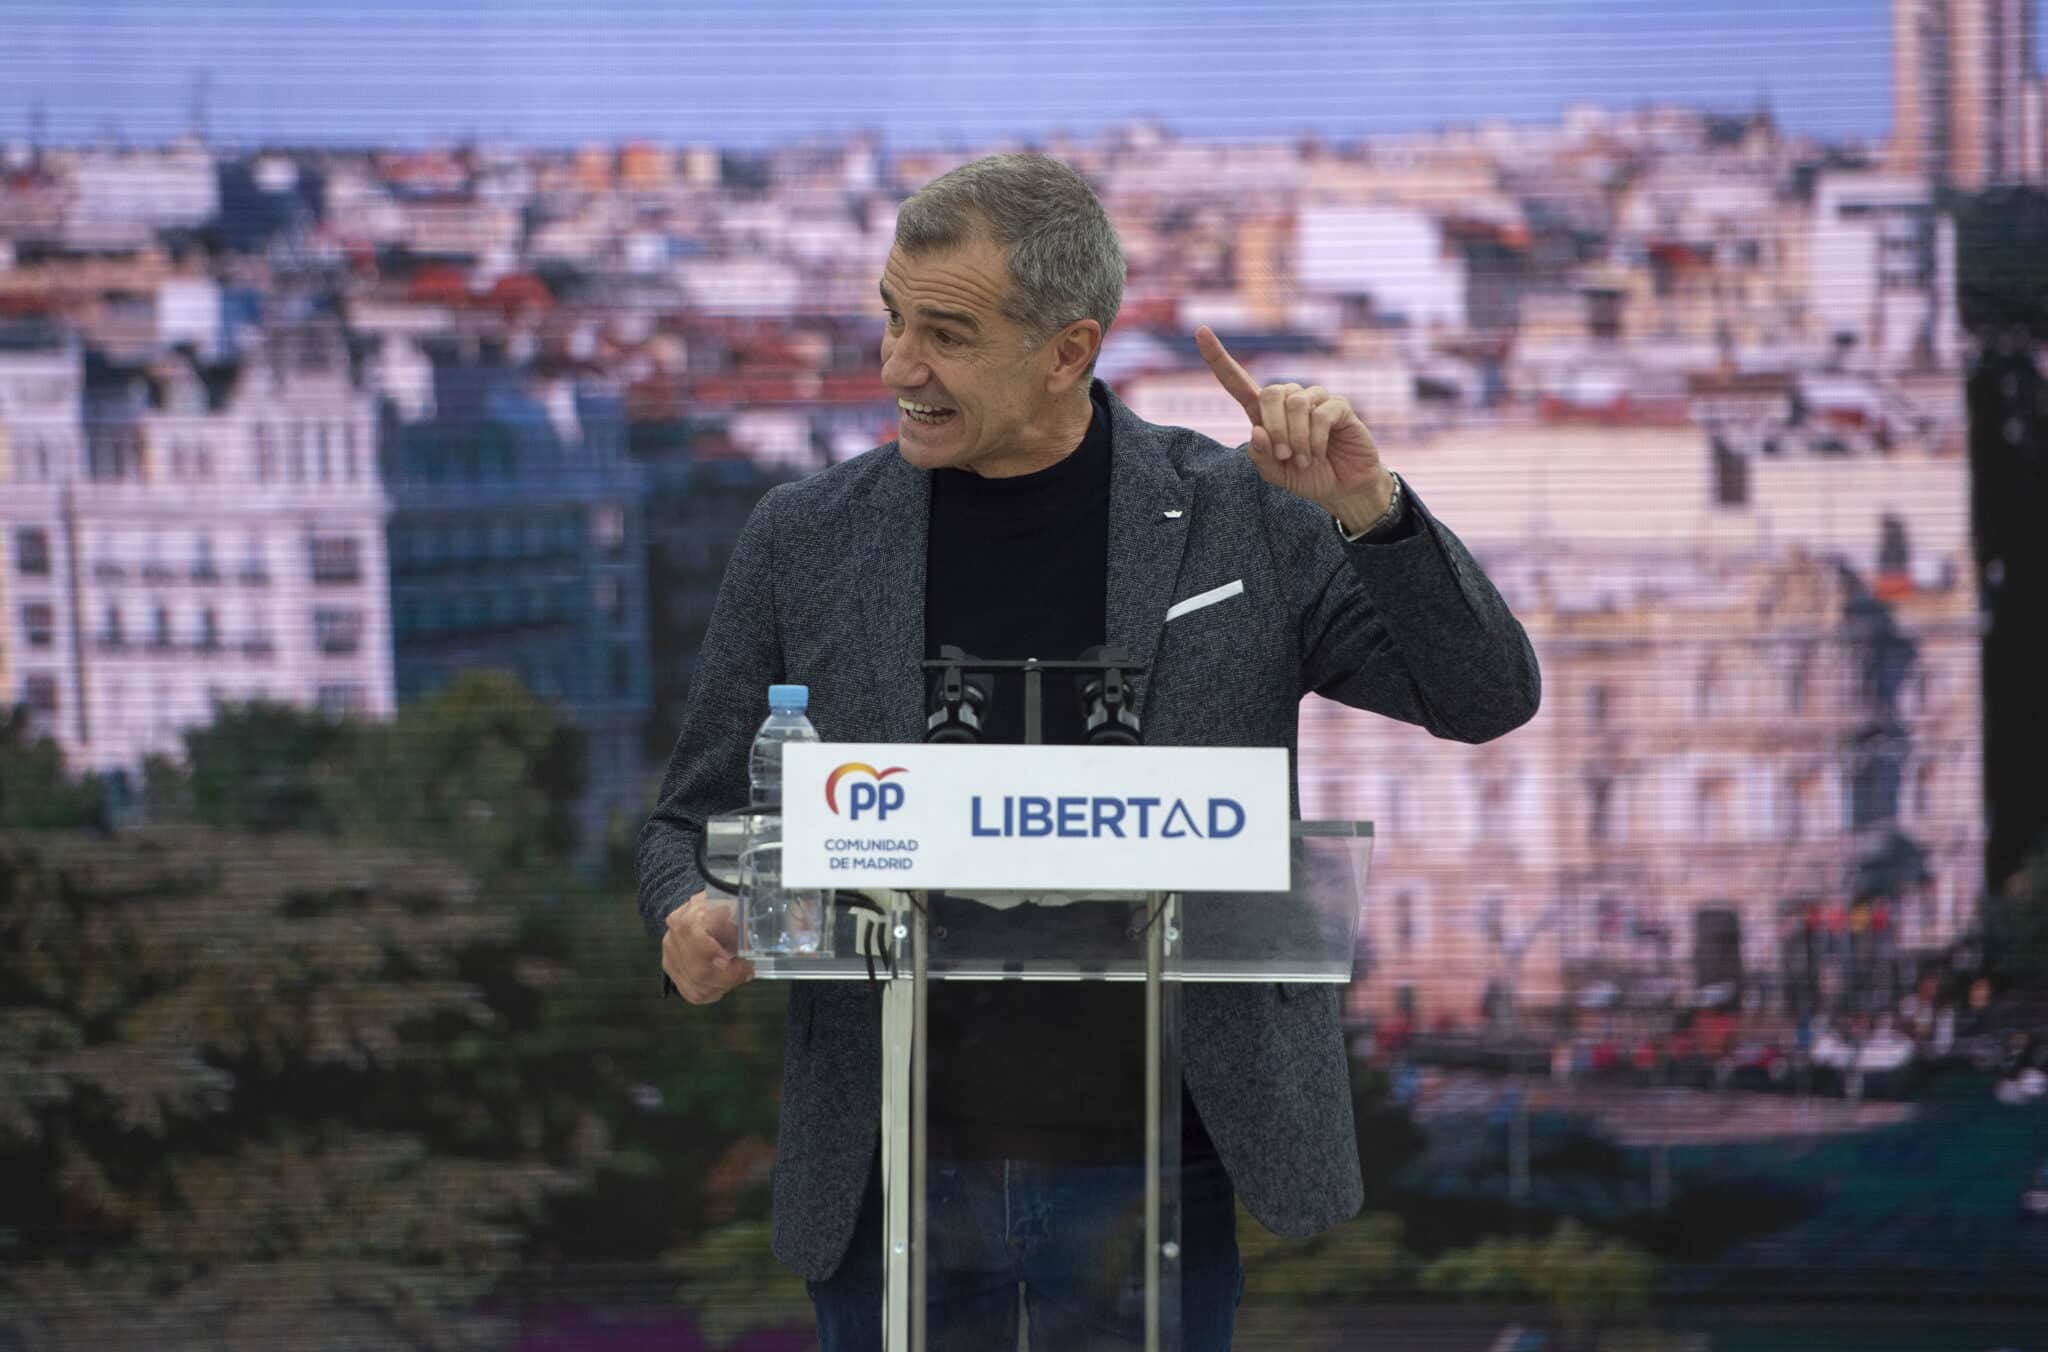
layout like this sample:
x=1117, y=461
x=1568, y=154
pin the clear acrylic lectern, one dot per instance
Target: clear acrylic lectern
x=1039, y=974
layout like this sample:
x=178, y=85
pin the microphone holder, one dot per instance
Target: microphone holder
x=1110, y=668
x=957, y=704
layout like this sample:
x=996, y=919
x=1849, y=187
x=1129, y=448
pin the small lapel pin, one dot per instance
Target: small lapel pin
x=1173, y=514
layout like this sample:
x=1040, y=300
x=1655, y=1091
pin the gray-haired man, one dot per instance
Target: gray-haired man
x=1025, y=511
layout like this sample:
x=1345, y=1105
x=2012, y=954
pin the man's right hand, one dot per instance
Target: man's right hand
x=700, y=952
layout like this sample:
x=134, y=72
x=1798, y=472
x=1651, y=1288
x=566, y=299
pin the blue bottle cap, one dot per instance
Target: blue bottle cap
x=788, y=699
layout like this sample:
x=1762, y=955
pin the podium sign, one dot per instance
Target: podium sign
x=916, y=816
x=991, y=888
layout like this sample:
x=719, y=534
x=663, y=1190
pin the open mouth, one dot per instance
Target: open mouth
x=925, y=415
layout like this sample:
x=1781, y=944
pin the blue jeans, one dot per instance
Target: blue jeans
x=1002, y=1223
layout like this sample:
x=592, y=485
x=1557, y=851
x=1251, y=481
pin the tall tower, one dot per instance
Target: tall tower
x=1920, y=131
x=1963, y=90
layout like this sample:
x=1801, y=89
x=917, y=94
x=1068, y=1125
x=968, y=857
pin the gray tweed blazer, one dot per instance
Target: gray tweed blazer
x=826, y=587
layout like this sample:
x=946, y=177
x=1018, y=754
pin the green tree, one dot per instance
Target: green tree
x=234, y=1105
x=1583, y=1282
x=35, y=791
x=687, y=1097
x=261, y=765
x=731, y=1277
x=480, y=771
x=359, y=1053
x=1294, y=1287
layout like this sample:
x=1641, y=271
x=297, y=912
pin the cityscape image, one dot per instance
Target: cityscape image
x=384, y=389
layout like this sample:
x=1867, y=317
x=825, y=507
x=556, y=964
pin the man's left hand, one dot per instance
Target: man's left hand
x=1306, y=440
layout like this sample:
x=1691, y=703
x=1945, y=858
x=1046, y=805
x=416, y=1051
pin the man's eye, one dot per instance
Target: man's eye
x=946, y=339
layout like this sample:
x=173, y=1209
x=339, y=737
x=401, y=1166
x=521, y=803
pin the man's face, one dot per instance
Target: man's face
x=949, y=348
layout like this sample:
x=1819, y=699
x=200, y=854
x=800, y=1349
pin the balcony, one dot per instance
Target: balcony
x=253, y=575
x=157, y=572
x=205, y=573
x=108, y=571
x=258, y=647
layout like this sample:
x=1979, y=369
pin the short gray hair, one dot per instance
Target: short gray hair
x=1065, y=262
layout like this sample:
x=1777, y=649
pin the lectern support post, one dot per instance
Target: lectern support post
x=1159, y=908
x=920, y=1103
x=905, y=1119
x=902, y=1116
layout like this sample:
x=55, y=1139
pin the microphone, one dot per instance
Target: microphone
x=958, y=701
x=1105, y=698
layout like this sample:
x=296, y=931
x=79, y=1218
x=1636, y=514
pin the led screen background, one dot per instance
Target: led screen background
x=382, y=388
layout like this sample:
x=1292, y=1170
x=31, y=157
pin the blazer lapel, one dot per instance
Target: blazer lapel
x=1149, y=509
x=889, y=559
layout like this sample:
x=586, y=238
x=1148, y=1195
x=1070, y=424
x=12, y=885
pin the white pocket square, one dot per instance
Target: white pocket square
x=1207, y=598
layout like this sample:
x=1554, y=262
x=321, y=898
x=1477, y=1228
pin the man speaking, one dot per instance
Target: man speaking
x=1025, y=512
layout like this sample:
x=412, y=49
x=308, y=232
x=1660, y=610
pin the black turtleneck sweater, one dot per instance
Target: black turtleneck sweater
x=1019, y=567
x=1054, y=1071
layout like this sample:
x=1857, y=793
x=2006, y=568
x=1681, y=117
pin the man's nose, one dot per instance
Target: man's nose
x=901, y=369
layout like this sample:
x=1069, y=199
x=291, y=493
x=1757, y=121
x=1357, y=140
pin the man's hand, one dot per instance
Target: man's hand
x=700, y=950
x=1307, y=441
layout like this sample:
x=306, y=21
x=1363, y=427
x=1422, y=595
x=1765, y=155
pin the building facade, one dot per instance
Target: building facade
x=1966, y=102
x=518, y=544
x=1761, y=721
x=1705, y=784
x=182, y=535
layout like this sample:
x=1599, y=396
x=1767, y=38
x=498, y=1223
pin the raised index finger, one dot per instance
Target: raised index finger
x=1234, y=379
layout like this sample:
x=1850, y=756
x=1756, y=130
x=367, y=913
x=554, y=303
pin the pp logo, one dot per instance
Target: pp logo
x=868, y=796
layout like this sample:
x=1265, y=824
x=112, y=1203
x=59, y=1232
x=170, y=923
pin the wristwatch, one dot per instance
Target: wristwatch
x=1385, y=521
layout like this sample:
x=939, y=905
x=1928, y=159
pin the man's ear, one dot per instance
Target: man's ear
x=1073, y=348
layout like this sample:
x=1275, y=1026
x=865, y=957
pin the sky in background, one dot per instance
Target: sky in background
x=919, y=71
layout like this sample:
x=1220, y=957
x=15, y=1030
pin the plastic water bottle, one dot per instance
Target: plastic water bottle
x=787, y=722
x=777, y=921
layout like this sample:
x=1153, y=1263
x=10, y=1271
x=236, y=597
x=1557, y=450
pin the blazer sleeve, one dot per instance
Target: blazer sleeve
x=1412, y=628
x=740, y=658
